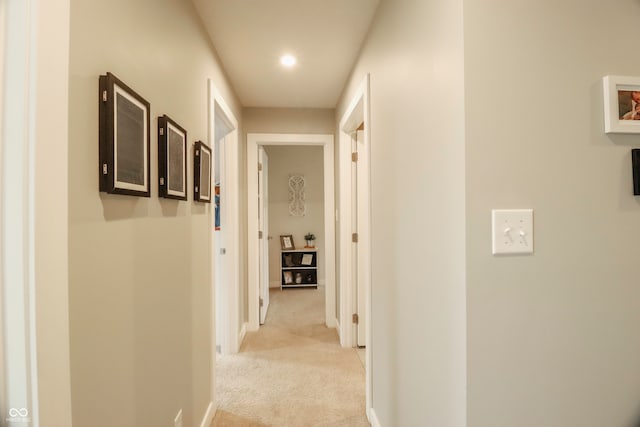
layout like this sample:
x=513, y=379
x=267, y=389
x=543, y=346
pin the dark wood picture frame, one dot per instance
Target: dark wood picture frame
x=125, y=141
x=635, y=163
x=202, y=188
x=286, y=242
x=172, y=159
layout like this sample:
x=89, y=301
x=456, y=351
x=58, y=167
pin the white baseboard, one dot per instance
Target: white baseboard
x=243, y=333
x=208, y=416
x=373, y=418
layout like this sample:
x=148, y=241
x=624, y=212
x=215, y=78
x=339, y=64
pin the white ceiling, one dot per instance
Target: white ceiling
x=251, y=35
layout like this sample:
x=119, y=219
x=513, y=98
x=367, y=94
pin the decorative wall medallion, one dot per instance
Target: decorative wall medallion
x=297, y=205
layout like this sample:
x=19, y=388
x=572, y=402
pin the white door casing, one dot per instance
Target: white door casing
x=254, y=140
x=221, y=113
x=219, y=109
x=360, y=215
x=263, y=219
x=357, y=113
x=220, y=259
x=35, y=282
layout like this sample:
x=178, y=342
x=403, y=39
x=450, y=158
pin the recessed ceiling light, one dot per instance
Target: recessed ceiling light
x=288, y=60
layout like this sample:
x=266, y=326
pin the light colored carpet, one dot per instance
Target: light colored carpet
x=292, y=372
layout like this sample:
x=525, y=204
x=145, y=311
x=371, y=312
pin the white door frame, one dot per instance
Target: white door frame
x=326, y=141
x=34, y=283
x=356, y=113
x=230, y=342
x=263, y=159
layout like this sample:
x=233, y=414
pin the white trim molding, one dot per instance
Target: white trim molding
x=242, y=334
x=357, y=112
x=373, y=418
x=208, y=415
x=326, y=141
x=35, y=372
x=219, y=109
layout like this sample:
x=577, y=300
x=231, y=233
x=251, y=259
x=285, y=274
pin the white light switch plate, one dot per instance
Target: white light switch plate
x=512, y=231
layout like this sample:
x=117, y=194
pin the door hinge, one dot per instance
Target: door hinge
x=104, y=169
x=354, y=157
x=259, y=167
x=259, y=234
x=161, y=131
x=261, y=302
x=104, y=96
x=354, y=237
x=355, y=318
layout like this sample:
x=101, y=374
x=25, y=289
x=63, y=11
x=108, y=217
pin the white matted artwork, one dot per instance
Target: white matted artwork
x=621, y=104
x=297, y=204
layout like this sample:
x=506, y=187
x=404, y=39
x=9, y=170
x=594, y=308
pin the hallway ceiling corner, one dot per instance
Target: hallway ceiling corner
x=324, y=35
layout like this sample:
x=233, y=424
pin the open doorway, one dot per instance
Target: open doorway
x=223, y=135
x=296, y=213
x=254, y=143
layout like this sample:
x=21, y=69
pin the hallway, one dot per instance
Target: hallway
x=292, y=372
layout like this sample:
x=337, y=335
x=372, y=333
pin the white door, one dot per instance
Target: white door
x=359, y=208
x=263, y=231
x=220, y=259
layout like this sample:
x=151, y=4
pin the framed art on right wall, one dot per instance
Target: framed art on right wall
x=621, y=104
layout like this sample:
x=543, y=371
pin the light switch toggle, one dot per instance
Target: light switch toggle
x=512, y=231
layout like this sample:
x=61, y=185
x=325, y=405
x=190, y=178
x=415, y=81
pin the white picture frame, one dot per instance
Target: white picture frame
x=621, y=106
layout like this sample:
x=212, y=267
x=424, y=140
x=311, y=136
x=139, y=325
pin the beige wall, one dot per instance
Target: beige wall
x=139, y=281
x=283, y=162
x=289, y=120
x=553, y=337
x=414, y=54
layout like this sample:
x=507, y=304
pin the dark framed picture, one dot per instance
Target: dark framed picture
x=635, y=162
x=124, y=139
x=621, y=104
x=286, y=241
x=172, y=159
x=202, y=172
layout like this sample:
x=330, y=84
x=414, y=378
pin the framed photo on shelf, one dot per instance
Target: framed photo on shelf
x=621, y=104
x=288, y=277
x=172, y=159
x=286, y=241
x=202, y=173
x=124, y=139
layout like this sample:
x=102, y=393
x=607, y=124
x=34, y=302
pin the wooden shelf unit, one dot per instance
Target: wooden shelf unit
x=299, y=268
